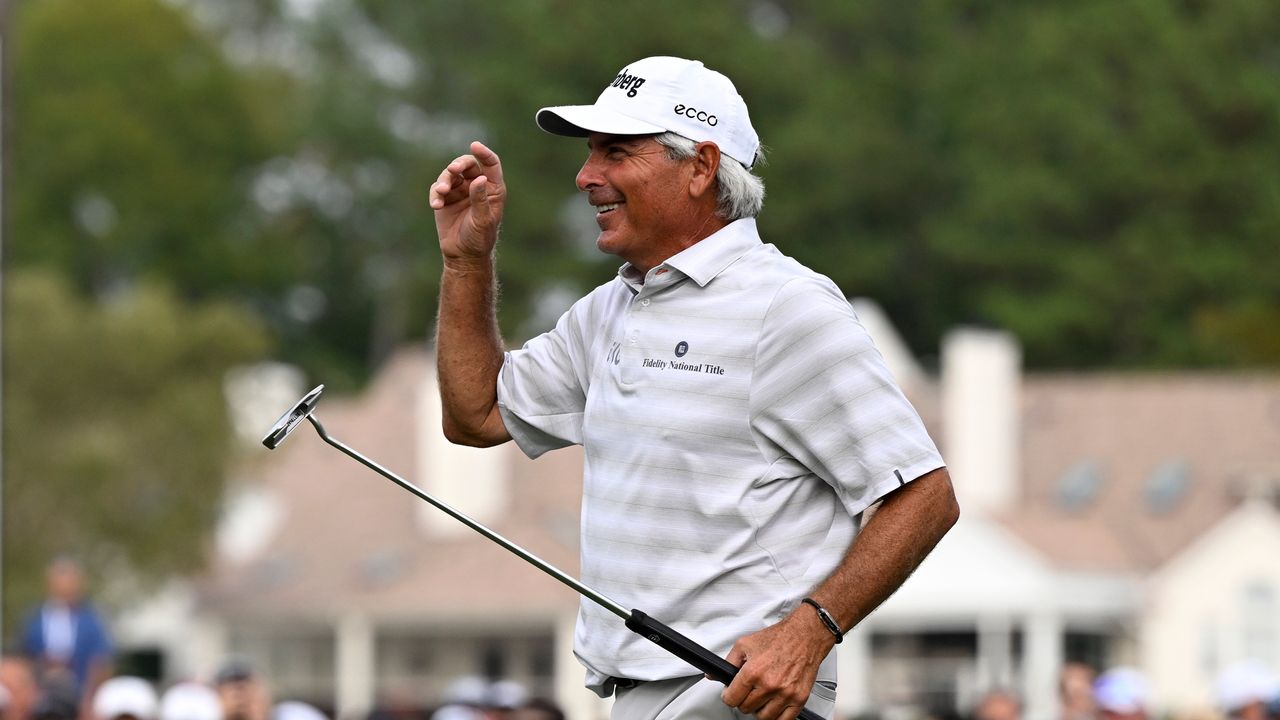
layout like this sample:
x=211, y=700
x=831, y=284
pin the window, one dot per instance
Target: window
x=1078, y=486
x=1259, y=621
x=1167, y=485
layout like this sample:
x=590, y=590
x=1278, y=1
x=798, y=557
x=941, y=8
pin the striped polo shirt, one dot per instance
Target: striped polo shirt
x=735, y=418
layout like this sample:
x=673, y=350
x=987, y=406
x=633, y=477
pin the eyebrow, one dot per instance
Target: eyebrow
x=628, y=140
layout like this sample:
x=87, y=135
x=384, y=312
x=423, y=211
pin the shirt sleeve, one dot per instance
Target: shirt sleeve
x=98, y=640
x=542, y=387
x=822, y=397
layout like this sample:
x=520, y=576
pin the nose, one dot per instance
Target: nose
x=589, y=176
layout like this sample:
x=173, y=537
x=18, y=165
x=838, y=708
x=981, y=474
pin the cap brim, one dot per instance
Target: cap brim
x=582, y=120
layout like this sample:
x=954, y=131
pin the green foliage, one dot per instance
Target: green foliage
x=1107, y=178
x=116, y=432
x=132, y=142
x=1097, y=177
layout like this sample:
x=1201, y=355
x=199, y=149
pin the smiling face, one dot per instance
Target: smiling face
x=648, y=206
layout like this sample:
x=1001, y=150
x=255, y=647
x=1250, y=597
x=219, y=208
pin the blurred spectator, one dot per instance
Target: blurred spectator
x=1246, y=690
x=243, y=693
x=464, y=699
x=475, y=698
x=471, y=690
x=998, y=705
x=190, y=701
x=502, y=699
x=1121, y=694
x=538, y=709
x=57, y=698
x=66, y=633
x=19, y=687
x=294, y=710
x=125, y=698
x=1075, y=692
x=397, y=703
x=457, y=711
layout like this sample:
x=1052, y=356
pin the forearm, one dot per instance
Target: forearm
x=779, y=663
x=901, y=532
x=469, y=352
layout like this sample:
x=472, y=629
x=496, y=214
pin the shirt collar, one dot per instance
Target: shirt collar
x=708, y=257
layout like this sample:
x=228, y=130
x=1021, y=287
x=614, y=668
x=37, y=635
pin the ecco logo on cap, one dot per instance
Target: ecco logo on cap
x=696, y=114
x=627, y=81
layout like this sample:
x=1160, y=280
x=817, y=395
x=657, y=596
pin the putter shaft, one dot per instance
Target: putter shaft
x=529, y=557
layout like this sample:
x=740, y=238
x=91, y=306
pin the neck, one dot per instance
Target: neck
x=709, y=225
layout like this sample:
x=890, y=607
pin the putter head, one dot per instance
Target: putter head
x=290, y=420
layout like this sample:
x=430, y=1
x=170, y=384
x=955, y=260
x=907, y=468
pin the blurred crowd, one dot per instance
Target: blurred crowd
x=1245, y=691
x=235, y=693
x=62, y=669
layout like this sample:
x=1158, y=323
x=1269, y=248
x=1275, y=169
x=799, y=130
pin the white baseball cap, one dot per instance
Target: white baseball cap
x=663, y=94
x=122, y=696
x=296, y=710
x=1121, y=690
x=1244, y=683
x=190, y=701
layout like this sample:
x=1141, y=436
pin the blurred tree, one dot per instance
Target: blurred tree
x=1093, y=176
x=132, y=146
x=116, y=432
x=1110, y=193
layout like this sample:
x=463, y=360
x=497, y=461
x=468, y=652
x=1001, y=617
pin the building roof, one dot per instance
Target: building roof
x=1122, y=471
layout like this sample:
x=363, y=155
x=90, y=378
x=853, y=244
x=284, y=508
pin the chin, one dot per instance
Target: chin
x=608, y=243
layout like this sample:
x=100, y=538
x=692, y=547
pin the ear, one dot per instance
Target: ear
x=706, y=161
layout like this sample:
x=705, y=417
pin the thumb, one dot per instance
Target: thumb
x=735, y=657
x=479, y=192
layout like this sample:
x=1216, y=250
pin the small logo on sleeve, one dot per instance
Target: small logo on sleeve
x=682, y=348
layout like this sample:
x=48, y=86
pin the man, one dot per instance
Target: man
x=735, y=416
x=1075, y=692
x=243, y=693
x=65, y=633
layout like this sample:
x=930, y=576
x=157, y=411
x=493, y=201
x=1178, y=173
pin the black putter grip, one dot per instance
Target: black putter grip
x=716, y=667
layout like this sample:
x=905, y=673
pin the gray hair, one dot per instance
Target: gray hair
x=739, y=193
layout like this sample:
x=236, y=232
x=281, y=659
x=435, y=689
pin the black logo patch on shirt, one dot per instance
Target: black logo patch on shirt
x=682, y=348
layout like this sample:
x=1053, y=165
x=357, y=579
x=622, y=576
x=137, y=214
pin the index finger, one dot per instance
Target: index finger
x=488, y=159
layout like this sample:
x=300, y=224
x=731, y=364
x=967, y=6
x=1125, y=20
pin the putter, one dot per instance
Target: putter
x=714, y=666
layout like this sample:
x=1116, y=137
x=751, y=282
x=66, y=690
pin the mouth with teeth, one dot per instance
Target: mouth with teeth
x=604, y=208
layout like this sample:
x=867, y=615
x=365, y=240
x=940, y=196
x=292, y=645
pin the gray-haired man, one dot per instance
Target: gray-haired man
x=735, y=415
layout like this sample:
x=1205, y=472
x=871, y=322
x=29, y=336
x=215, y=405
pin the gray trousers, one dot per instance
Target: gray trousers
x=696, y=698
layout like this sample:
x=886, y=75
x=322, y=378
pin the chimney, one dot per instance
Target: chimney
x=981, y=414
x=471, y=480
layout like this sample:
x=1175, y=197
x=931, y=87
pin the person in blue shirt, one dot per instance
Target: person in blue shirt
x=65, y=635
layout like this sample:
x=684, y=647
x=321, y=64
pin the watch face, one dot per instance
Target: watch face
x=290, y=419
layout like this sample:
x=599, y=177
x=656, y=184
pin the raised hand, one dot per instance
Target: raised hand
x=468, y=199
